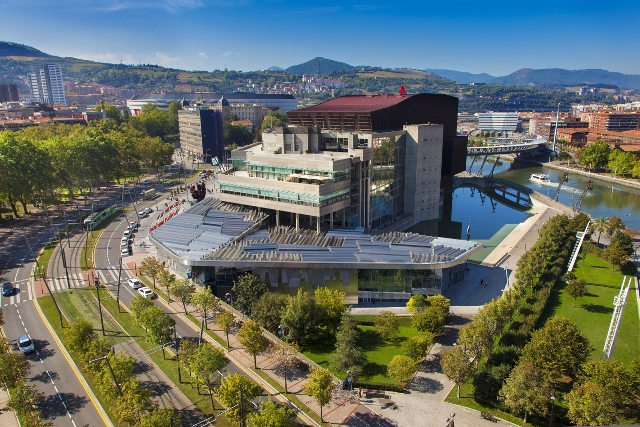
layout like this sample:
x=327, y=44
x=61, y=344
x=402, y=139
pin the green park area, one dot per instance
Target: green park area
x=378, y=352
x=592, y=312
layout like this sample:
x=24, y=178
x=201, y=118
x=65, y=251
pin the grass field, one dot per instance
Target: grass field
x=119, y=327
x=378, y=352
x=592, y=313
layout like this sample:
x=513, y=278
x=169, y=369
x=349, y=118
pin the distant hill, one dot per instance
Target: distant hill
x=17, y=49
x=319, y=66
x=461, y=76
x=275, y=68
x=558, y=76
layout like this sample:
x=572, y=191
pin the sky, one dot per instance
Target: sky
x=486, y=36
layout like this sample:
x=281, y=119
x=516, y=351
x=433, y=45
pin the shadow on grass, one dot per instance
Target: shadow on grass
x=372, y=369
x=369, y=340
x=597, y=308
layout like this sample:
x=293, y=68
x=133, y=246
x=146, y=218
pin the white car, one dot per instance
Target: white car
x=148, y=210
x=127, y=233
x=124, y=245
x=125, y=239
x=135, y=283
x=133, y=224
x=125, y=252
x=146, y=292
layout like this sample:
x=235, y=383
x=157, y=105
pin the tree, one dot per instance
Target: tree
x=151, y=267
x=166, y=279
x=576, y=288
x=299, y=316
x=13, y=366
x=619, y=382
x=271, y=414
x=138, y=305
x=285, y=355
x=183, y=290
x=205, y=362
x=135, y=400
x=416, y=304
x=417, y=346
x=591, y=404
x=225, y=321
x=456, y=366
x=158, y=325
x=24, y=399
x=231, y=388
x=268, y=310
x=476, y=340
x=619, y=250
x=78, y=335
x=621, y=162
x=160, y=417
x=274, y=119
x=348, y=356
x=402, y=368
x=247, y=290
x=594, y=156
x=615, y=224
x=557, y=348
x=386, y=325
x=205, y=301
x=331, y=307
x=430, y=320
x=122, y=366
x=319, y=386
x=525, y=391
x=237, y=134
x=250, y=336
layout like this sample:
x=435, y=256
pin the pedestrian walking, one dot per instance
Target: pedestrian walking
x=486, y=283
x=481, y=281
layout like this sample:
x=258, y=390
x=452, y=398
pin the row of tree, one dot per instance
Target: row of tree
x=39, y=163
x=600, y=155
x=114, y=378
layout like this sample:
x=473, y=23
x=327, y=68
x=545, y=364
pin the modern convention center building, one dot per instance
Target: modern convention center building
x=324, y=202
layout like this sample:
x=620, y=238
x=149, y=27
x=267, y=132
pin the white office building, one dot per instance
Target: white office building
x=46, y=85
x=499, y=122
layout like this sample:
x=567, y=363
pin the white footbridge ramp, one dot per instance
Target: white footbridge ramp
x=618, y=303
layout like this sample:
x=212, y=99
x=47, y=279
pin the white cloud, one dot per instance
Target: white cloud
x=167, y=5
x=202, y=55
x=109, y=57
x=165, y=60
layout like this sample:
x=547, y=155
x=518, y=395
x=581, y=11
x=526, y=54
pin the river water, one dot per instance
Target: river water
x=489, y=221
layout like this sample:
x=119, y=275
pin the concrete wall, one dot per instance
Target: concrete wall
x=423, y=165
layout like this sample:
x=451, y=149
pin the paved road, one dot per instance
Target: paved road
x=65, y=402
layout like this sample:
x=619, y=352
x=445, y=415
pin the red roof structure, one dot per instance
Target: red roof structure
x=373, y=113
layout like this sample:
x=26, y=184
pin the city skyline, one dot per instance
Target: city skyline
x=488, y=37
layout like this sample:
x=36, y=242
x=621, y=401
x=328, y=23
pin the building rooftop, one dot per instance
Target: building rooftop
x=215, y=231
x=357, y=103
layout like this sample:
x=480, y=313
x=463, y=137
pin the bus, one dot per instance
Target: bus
x=93, y=220
x=149, y=194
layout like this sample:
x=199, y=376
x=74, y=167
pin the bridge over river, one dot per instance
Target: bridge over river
x=507, y=193
x=497, y=146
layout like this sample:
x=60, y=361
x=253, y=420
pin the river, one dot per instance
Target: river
x=489, y=221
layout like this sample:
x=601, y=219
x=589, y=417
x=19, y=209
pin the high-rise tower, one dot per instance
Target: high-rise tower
x=46, y=85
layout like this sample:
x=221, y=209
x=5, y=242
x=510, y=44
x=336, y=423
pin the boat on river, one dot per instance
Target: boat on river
x=540, y=178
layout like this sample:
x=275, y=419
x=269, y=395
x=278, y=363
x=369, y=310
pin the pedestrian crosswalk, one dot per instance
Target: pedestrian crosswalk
x=22, y=291
x=76, y=280
x=109, y=275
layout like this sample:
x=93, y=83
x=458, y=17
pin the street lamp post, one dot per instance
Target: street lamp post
x=553, y=404
x=229, y=298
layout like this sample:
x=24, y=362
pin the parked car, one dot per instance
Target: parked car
x=127, y=233
x=146, y=292
x=148, y=210
x=7, y=289
x=133, y=224
x=125, y=252
x=25, y=344
x=135, y=283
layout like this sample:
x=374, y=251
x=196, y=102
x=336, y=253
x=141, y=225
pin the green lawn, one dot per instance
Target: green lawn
x=592, y=313
x=378, y=352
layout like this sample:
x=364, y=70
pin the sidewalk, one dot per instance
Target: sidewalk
x=7, y=418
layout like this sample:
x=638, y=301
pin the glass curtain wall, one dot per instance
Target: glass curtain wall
x=387, y=180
